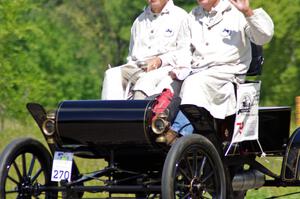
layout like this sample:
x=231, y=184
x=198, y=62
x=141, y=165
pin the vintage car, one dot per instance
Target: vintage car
x=124, y=134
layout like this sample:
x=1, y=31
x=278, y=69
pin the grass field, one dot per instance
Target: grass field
x=13, y=129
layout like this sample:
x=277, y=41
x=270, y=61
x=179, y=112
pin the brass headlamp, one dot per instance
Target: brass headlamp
x=48, y=126
x=160, y=123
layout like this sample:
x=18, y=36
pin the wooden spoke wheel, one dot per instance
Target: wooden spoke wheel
x=193, y=169
x=25, y=164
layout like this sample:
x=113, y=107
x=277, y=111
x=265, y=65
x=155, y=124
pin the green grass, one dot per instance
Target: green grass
x=13, y=130
x=273, y=164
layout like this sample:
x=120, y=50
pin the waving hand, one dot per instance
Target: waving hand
x=243, y=6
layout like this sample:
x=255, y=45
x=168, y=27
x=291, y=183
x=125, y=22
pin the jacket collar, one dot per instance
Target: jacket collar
x=166, y=10
x=214, y=16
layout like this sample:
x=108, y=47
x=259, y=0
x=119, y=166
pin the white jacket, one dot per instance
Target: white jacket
x=220, y=50
x=164, y=35
x=161, y=35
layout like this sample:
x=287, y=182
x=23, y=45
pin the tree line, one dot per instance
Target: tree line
x=53, y=50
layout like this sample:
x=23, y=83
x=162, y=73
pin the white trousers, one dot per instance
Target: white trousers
x=112, y=88
x=150, y=83
x=155, y=81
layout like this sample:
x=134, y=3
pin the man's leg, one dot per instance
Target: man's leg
x=139, y=95
x=181, y=125
x=168, y=82
x=130, y=76
x=149, y=81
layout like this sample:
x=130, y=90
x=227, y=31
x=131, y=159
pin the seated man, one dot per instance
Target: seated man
x=221, y=32
x=157, y=36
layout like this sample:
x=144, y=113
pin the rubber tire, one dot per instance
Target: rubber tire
x=26, y=146
x=178, y=151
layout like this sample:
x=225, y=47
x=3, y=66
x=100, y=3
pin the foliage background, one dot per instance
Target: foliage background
x=53, y=50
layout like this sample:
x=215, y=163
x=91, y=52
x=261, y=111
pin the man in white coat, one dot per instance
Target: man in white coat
x=221, y=31
x=157, y=36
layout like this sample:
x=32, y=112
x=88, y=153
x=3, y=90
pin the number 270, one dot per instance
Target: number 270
x=61, y=174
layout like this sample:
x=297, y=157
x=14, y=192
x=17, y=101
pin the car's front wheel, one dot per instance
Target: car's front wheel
x=193, y=169
x=25, y=164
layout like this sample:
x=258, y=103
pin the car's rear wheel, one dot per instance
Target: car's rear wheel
x=193, y=169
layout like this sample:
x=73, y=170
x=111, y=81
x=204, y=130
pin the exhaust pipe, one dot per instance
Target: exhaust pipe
x=248, y=180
